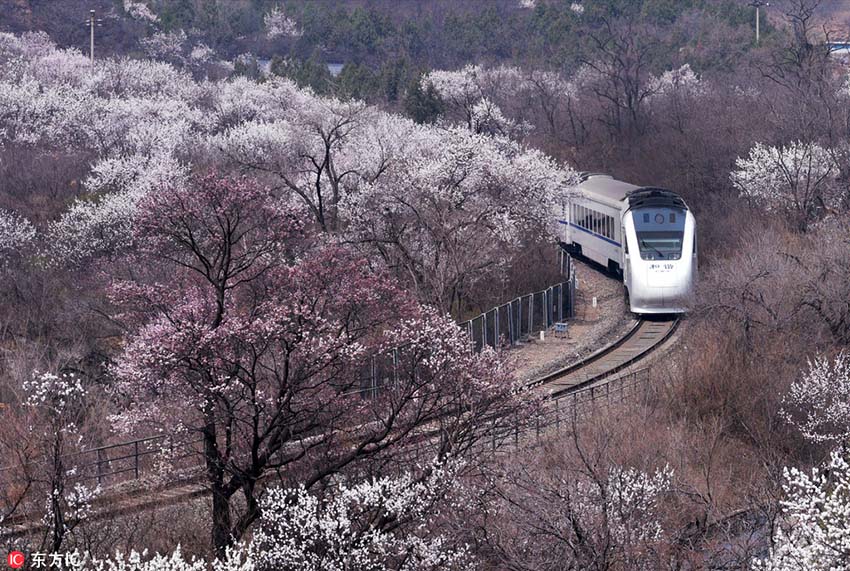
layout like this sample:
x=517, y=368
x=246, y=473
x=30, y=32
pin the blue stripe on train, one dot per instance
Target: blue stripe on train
x=594, y=234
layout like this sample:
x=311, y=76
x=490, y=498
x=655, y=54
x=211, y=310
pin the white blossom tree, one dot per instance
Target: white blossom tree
x=17, y=237
x=473, y=95
x=797, y=180
x=450, y=218
x=59, y=404
x=387, y=523
x=815, y=531
x=139, y=10
x=682, y=79
x=595, y=517
x=818, y=403
x=278, y=24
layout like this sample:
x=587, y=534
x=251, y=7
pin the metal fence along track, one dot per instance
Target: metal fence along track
x=522, y=317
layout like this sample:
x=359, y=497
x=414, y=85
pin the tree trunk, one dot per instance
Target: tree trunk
x=221, y=536
x=221, y=518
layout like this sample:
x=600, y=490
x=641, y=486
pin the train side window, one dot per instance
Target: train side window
x=672, y=218
x=646, y=217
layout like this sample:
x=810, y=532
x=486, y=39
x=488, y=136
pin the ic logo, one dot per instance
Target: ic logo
x=15, y=559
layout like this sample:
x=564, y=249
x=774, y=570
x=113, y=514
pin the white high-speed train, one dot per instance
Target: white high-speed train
x=645, y=235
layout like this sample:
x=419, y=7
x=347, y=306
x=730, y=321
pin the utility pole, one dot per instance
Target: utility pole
x=92, y=22
x=757, y=4
x=91, y=27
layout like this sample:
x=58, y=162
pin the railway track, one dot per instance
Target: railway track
x=645, y=336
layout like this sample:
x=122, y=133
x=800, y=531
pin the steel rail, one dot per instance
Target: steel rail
x=569, y=379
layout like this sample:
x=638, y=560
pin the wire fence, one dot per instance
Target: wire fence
x=520, y=318
x=561, y=413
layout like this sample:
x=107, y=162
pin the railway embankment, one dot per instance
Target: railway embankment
x=591, y=329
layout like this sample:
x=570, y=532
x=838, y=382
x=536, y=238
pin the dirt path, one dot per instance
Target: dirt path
x=591, y=329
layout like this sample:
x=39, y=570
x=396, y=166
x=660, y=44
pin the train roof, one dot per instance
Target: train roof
x=606, y=186
x=611, y=190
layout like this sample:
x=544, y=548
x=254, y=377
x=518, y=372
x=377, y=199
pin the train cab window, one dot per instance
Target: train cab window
x=660, y=231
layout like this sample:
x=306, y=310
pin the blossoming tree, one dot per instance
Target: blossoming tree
x=797, y=180
x=454, y=215
x=818, y=403
x=816, y=531
x=256, y=338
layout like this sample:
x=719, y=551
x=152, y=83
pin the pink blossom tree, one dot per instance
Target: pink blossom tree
x=255, y=337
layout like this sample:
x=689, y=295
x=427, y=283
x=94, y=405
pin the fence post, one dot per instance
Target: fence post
x=136, y=457
x=496, y=329
x=519, y=317
x=99, y=466
x=545, y=311
x=550, y=307
x=511, y=321
x=530, y=315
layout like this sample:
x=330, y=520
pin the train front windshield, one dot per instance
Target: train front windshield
x=660, y=231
